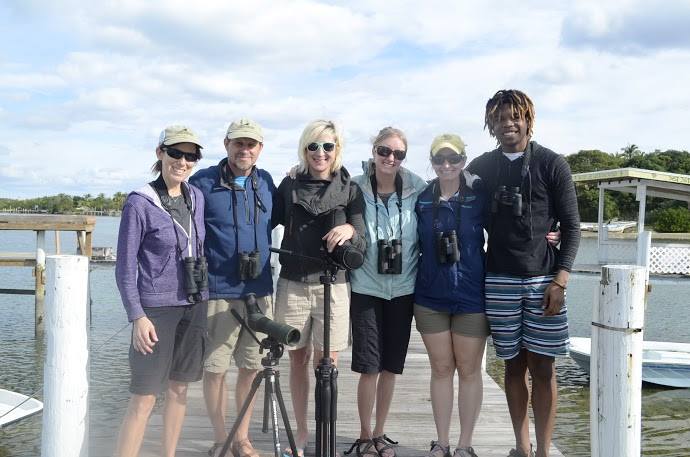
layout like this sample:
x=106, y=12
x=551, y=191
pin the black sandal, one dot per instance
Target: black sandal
x=383, y=443
x=363, y=448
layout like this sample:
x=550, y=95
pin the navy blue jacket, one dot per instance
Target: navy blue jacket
x=451, y=287
x=221, y=233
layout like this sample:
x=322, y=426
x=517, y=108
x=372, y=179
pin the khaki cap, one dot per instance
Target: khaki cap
x=245, y=128
x=448, y=141
x=174, y=134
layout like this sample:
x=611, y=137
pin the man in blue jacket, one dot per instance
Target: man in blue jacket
x=238, y=202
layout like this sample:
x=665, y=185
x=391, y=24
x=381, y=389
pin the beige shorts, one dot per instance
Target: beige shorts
x=429, y=320
x=228, y=338
x=301, y=305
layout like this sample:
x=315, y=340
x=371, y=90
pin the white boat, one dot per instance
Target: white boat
x=11, y=412
x=663, y=363
x=618, y=226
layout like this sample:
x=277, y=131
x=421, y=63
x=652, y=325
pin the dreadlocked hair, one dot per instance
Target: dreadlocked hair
x=520, y=104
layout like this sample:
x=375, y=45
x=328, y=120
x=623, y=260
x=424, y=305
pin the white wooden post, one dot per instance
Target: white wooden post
x=616, y=362
x=644, y=249
x=65, y=391
x=600, y=230
x=39, y=283
x=641, y=196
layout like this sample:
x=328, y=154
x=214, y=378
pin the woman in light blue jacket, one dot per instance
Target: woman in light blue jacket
x=381, y=305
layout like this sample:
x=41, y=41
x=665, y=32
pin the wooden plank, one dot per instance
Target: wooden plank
x=46, y=222
x=17, y=259
x=410, y=420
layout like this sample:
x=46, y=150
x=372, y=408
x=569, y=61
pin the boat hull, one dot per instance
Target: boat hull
x=9, y=400
x=663, y=363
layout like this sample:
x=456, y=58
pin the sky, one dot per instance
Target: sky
x=87, y=86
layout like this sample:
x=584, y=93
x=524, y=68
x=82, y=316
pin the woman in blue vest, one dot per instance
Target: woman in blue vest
x=383, y=289
x=449, y=295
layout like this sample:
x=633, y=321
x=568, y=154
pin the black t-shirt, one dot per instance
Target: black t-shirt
x=177, y=207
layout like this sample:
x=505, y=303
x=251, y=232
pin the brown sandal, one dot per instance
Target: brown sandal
x=363, y=448
x=383, y=443
x=243, y=448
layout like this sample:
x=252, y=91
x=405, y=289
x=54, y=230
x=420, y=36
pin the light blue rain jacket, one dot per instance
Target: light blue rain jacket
x=366, y=280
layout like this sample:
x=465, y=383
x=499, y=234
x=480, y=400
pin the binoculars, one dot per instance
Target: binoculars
x=389, y=258
x=195, y=277
x=507, y=196
x=447, y=250
x=249, y=265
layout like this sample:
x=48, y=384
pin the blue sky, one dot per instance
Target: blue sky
x=85, y=87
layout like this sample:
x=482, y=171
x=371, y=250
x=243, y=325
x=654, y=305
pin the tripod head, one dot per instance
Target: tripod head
x=275, y=350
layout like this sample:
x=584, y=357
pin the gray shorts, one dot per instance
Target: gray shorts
x=179, y=353
x=429, y=320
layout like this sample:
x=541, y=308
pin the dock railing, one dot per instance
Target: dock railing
x=83, y=226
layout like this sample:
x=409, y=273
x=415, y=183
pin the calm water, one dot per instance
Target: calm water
x=666, y=412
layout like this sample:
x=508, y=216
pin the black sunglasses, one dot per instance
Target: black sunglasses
x=385, y=151
x=327, y=147
x=452, y=159
x=177, y=155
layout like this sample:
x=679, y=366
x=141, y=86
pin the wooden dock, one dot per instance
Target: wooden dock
x=410, y=421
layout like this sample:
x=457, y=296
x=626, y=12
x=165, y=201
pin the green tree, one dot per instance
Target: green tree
x=672, y=220
x=631, y=151
x=585, y=161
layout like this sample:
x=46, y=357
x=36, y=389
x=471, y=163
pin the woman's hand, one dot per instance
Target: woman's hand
x=338, y=235
x=144, y=336
x=553, y=238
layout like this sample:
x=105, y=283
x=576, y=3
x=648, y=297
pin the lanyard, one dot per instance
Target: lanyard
x=398, y=192
x=229, y=177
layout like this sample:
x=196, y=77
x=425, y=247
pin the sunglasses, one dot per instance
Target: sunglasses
x=326, y=147
x=177, y=155
x=452, y=159
x=385, y=151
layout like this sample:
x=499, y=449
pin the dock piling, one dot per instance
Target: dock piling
x=616, y=362
x=65, y=391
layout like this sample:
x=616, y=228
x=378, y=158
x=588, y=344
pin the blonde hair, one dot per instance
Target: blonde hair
x=311, y=133
x=388, y=132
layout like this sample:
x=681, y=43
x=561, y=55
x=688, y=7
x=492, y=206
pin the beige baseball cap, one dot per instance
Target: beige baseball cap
x=448, y=141
x=174, y=134
x=245, y=128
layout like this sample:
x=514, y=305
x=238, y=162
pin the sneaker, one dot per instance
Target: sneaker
x=516, y=453
x=464, y=452
x=438, y=450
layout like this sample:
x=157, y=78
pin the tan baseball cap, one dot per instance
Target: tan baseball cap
x=245, y=128
x=448, y=141
x=174, y=134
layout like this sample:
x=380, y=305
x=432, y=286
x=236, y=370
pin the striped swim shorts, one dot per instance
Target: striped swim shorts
x=515, y=314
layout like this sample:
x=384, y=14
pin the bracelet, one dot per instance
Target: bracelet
x=562, y=286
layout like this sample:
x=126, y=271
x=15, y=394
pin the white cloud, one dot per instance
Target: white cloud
x=127, y=68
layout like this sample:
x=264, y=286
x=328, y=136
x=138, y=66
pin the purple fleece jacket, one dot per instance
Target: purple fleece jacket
x=149, y=271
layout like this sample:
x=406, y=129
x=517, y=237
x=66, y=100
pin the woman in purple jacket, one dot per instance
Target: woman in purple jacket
x=161, y=275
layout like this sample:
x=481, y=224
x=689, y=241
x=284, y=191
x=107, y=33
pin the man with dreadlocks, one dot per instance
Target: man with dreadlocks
x=531, y=191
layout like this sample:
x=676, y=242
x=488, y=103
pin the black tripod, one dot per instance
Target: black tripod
x=273, y=396
x=326, y=389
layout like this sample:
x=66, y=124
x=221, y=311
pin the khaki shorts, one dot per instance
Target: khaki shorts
x=228, y=338
x=429, y=320
x=301, y=305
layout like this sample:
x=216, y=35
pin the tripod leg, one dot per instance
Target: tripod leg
x=318, y=415
x=267, y=398
x=255, y=386
x=274, y=416
x=334, y=409
x=283, y=413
